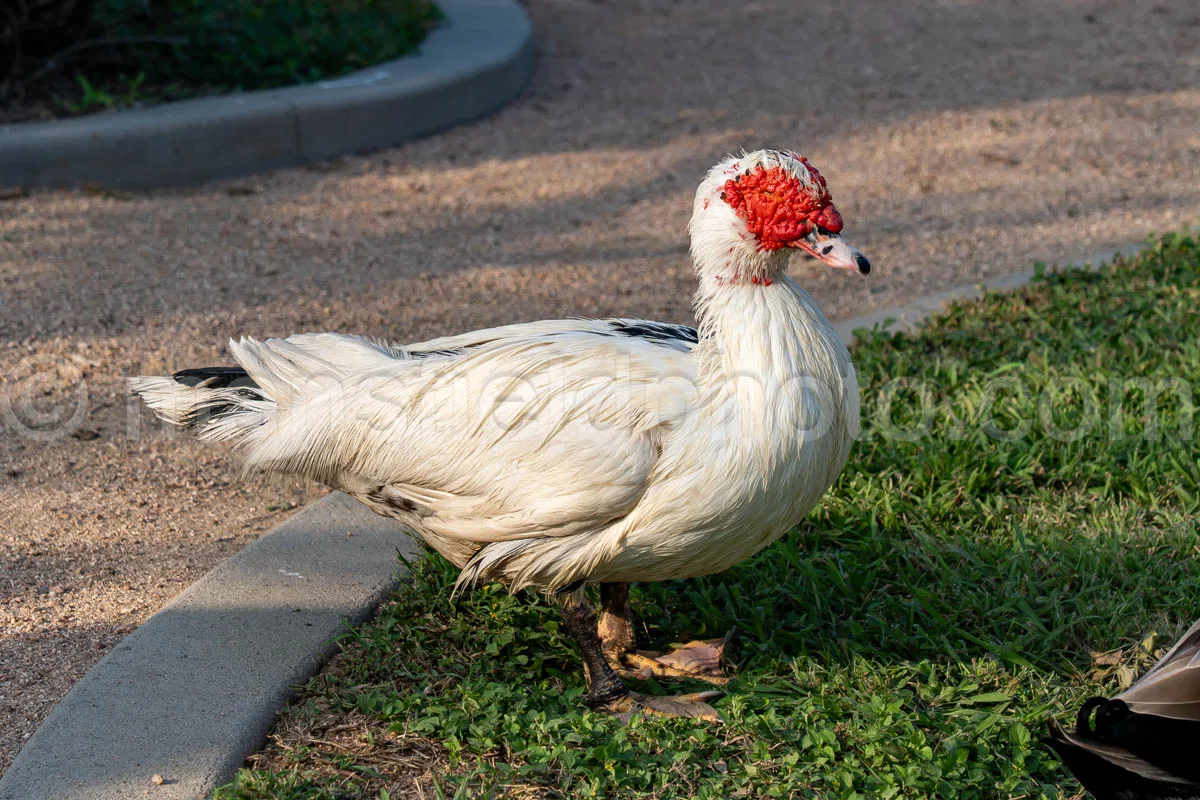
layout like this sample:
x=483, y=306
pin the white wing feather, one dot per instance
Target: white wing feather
x=524, y=432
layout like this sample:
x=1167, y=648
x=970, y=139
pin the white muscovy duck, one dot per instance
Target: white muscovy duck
x=563, y=453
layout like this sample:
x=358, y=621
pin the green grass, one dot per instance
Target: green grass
x=909, y=639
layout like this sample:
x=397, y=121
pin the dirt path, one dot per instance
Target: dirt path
x=961, y=138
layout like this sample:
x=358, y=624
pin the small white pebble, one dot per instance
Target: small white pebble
x=157, y=779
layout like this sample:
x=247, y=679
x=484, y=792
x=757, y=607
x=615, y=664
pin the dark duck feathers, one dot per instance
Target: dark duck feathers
x=1145, y=742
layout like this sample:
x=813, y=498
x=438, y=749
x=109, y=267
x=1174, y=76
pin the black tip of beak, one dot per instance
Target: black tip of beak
x=864, y=266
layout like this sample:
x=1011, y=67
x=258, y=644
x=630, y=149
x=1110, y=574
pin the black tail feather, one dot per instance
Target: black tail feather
x=216, y=378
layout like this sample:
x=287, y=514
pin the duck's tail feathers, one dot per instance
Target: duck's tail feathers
x=215, y=403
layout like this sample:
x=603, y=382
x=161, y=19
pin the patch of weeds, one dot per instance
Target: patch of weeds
x=124, y=94
x=1014, y=533
x=127, y=53
x=236, y=44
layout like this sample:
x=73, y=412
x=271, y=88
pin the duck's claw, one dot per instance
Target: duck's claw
x=690, y=706
x=699, y=659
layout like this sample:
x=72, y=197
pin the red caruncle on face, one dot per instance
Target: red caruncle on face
x=778, y=208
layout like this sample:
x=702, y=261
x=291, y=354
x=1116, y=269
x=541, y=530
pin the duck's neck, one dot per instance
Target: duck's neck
x=768, y=325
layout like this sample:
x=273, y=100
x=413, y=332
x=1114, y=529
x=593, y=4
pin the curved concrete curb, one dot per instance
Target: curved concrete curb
x=475, y=63
x=195, y=690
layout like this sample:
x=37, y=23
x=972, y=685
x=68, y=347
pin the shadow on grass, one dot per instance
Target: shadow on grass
x=867, y=663
x=911, y=596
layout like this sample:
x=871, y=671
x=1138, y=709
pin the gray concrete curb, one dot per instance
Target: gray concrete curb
x=471, y=66
x=195, y=690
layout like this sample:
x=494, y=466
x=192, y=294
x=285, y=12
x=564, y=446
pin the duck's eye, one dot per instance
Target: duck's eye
x=824, y=231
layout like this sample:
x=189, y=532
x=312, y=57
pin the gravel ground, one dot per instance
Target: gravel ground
x=961, y=138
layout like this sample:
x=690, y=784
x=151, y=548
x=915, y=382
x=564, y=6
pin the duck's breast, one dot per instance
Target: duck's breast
x=777, y=411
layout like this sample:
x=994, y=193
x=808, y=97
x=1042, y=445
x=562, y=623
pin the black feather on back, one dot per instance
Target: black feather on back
x=663, y=332
x=419, y=354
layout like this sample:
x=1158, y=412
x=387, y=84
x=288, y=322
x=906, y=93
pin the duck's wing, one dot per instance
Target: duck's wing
x=528, y=431
x=1172, y=687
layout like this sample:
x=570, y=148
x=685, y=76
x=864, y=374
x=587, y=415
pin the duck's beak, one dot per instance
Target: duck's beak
x=833, y=251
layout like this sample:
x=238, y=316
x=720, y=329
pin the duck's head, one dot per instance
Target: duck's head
x=752, y=211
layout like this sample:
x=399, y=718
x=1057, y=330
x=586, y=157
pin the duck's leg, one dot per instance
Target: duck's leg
x=604, y=687
x=605, y=690
x=616, y=622
x=697, y=659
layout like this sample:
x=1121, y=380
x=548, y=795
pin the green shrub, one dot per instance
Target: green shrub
x=76, y=56
x=261, y=44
